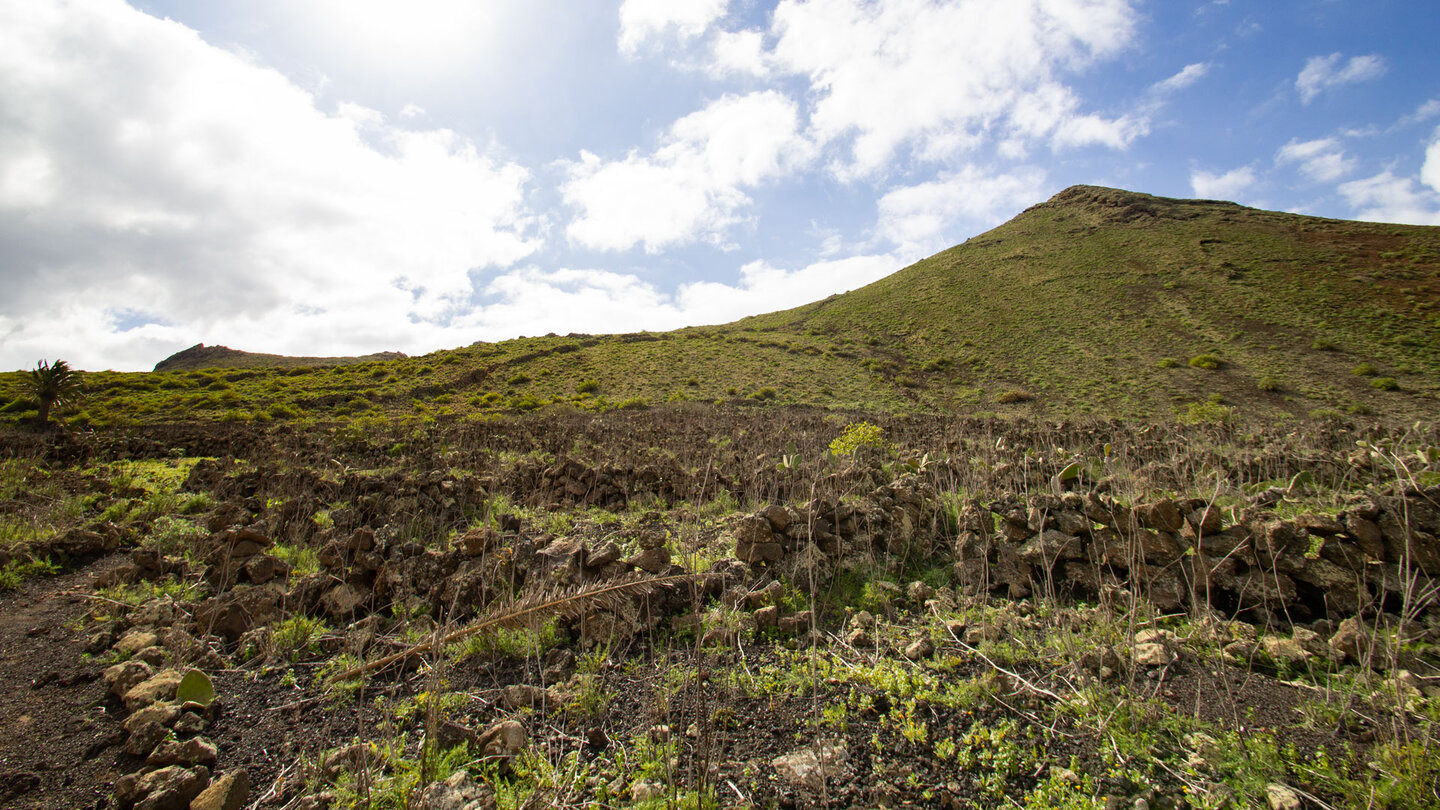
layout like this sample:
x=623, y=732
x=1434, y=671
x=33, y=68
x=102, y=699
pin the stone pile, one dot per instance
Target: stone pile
x=1184, y=552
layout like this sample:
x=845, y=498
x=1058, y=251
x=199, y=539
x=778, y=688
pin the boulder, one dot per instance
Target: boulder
x=344, y=600
x=1162, y=515
x=144, y=737
x=758, y=552
x=1206, y=520
x=1047, y=547
x=262, y=568
x=479, y=540
x=603, y=556
x=1285, y=650
x=163, y=714
x=362, y=539
x=459, y=792
x=121, y=678
x=778, y=516
x=1282, y=797
x=229, y=792
x=752, y=529
x=352, y=759
x=769, y=595
x=194, y=751
x=1352, y=640
x=1152, y=654
x=1367, y=535
x=653, y=560
x=232, y=614
x=171, y=788
x=808, y=768
x=157, y=688
x=501, y=741
x=918, y=593
x=767, y=617
x=922, y=648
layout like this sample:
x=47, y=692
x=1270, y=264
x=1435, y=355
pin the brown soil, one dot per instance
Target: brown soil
x=62, y=728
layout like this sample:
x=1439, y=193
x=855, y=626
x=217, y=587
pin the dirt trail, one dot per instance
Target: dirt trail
x=61, y=732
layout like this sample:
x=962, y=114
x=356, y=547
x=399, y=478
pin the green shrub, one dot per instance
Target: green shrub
x=588, y=387
x=1385, y=384
x=1012, y=396
x=855, y=436
x=1269, y=382
x=1324, y=345
x=1206, y=361
x=1168, y=362
x=1364, y=370
x=16, y=572
x=518, y=378
x=1206, y=413
x=765, y=393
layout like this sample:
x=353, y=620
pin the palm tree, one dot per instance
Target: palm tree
x=53, y=384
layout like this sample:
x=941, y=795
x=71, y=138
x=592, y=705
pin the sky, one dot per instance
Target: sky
x=337, y=177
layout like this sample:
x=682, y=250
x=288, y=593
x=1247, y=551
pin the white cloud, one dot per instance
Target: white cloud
x=1424, y=112
x=1321, y=160
x=535, y=301
x=923, y=218
x=1225, y=186
x=940, y=75
x=152, y=177
x=740, y=52
x=692, y=187
x=765, y=288
x=1323, y=72
x=1430, y=171
x=642, y=19
x=1387, y=198
x=1188, y=76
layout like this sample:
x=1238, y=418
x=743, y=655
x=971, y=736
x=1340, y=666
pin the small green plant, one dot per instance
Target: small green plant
x=765, y=393
x=1168, y=362
x=296, y=636
x=15, y=573
x=855, y=436
x=1385, y=384
x=1013, y=396
x=588, y=387
x=1208, y=362
x=1364, y=370
x=518, y=378
x=1324, y=345
x=1269, y=382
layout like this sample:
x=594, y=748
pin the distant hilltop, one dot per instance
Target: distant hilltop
x=202, y=356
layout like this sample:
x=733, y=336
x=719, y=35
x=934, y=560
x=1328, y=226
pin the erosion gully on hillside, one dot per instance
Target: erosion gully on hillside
x=687, y=607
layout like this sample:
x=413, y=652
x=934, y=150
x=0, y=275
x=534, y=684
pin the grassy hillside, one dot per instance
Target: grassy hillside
x=1098, y=301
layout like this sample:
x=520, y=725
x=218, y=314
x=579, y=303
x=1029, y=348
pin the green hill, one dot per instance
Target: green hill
x=1098, y=301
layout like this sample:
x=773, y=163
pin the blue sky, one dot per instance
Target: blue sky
x=346, y=176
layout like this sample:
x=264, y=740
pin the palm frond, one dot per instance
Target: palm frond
x=612, y=595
